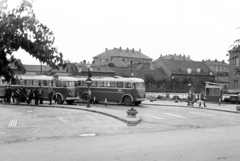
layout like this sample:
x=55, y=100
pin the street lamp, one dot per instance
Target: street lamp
x=173, y=83
x=89, y=82
x=189, y=70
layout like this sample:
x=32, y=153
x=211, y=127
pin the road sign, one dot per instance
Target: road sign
x=89, y=82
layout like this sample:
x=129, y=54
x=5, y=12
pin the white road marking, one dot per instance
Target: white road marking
x=200, y=113
x=63, y=119
x=174, y=115
x=153, y=116
x=87, y=134
x=12, y=123
x=91, y=117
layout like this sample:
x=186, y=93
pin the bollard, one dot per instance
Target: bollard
x=105, y=102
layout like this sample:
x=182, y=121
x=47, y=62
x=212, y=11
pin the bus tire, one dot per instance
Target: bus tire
x=137, y=103
x=85, y=97
x=59, y=99
x=127, y=100
x=70, y=102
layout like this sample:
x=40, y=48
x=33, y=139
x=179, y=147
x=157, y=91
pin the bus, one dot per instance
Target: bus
x=63, y=87
x=117, y=89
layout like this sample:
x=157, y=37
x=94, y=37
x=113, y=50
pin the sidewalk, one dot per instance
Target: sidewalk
x=225, y=107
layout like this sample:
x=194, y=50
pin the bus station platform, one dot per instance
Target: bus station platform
x=224, y=107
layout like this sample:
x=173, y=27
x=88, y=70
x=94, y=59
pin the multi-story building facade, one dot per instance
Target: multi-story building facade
x=121, y=58
x=234, y=70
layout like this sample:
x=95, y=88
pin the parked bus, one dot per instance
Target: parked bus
x=63, y=87
x=118, y=89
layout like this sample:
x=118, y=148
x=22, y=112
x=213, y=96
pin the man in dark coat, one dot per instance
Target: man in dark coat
x=203, y=99
x=8, y=94
x=50, y=96
x=36, y=96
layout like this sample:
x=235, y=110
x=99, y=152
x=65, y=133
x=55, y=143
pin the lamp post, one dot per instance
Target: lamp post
x=89, y=82
x=189, y=70
x=173, y=83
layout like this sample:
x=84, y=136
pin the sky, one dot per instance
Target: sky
x=202, y=29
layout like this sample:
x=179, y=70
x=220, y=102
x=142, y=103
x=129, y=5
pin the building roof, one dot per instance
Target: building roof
x=174, y=57
x=215, y=62
x=181, y=66
x=130, y=53
x=223, y=79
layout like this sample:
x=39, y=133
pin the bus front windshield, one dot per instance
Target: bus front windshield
x=139, y=85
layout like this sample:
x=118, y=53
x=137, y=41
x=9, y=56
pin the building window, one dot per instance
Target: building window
x=235, y=60
x=235, y=74
x=106, y=60
x=235, y=83
x=123, y=59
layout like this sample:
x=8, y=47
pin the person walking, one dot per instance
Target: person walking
x=36, y=96
x=203, y=99
x=41, y=94
x=50, y=96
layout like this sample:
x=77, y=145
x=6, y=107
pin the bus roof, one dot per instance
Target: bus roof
x=117, y=79
x=44, y=77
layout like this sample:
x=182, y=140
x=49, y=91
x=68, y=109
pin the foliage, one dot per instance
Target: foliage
x=19, y=28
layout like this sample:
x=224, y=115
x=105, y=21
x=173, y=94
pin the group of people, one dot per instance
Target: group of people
x=191, y=98
x=21, y=94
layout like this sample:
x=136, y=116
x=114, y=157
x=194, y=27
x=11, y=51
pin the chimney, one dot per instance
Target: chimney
x=93, y=62
x=139, y=50
x=223, y=61
x=133, y=50
x=189, y=56
x=161, y=56
x=120, y=48
x=106, y=49
x=127, y=49
x=175, y=54
x=216, y=60
x=84, y=61
x=202, y=60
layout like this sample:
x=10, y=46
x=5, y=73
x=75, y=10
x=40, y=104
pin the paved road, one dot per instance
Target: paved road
x=164, y=133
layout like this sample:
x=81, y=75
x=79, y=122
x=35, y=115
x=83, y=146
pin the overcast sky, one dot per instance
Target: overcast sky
x=203, y=29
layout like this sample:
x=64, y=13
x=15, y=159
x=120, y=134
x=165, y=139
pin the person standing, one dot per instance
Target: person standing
x=36, y=96
x=192, y=98
x=203, y=99
x=50, y=96
x=41, y=94
x=8, y=94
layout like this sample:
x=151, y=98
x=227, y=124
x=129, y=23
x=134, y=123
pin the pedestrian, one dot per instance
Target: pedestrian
x=8, y=94
x=30, y=97
x=50, y=96
x=18, y=96
x=203, y=99
x=23, y=93
x=41, y=94
x=27, y=95
x=36, y=96
x=189, y=97
x=192, y=98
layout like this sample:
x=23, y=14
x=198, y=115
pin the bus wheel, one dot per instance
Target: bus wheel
x=127, y=100
x=137, y=103
x=85, y=97
x=59, y=99
x=70, y=102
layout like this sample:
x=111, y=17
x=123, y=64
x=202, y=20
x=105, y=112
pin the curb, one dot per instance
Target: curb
x=205, y=108
x=75, y=108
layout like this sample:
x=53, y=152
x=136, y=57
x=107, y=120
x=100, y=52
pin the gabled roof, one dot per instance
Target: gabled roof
x=215, y=62
x=181, y=66
x=123, y=53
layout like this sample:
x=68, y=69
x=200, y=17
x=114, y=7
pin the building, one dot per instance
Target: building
x=234, y=70
x=218, y=67
x=121, y=58
x=175, y=57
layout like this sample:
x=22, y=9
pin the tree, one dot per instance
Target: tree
x=19, y=28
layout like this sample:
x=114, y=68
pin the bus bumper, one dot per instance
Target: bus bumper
x=140, y=99
x=72, y=98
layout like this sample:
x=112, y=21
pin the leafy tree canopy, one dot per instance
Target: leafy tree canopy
x=19, y=28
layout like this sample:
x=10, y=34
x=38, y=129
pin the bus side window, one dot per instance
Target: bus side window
x=128, y=85
x=58, y=83
x=101, y=84
x=45, y=83
x=35, y=82
x=113, y=84
x=134, y=85
x=94, y=84
x=120, y=84
x=64, y=83
x=107, y=84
